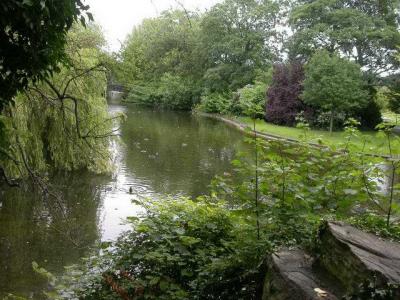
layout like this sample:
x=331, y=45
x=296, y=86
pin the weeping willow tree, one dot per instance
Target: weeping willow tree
x=61, y=123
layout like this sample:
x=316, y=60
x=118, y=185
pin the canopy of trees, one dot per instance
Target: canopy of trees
x=239, y=37
x=220, y=61
x=174, y=59
x=187, y=59
x=363, y=30
x=32, y=38
x=231, y=59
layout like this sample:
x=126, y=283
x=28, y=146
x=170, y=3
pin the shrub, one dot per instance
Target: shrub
x=250, y=99
x=215, y=103
x=178, y=92
x=179, y=249
x=369, y=116
x=394, y=100
x=382, y=97
x=322, y=119
x=144, y=94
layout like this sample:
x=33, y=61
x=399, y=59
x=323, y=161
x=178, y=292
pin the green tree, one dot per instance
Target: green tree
x=207, y=54
x=362, y=30
x=161, y=50
x=32, y=38
x=61, y=122
x=238, y=37
x=160, y=45
x=333, y=84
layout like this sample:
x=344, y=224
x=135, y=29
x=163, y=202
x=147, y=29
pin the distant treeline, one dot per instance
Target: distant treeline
x=323, y=60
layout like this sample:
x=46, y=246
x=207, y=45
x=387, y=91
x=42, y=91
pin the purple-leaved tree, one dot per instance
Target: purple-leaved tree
x=283, y=96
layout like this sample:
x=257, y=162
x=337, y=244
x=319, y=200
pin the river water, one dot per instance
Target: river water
x=158, y=153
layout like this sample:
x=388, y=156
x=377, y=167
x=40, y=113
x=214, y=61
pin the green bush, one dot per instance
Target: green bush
x=171, y=91
x=369, y=116
x=179, y=249
x=394, y=102
x=177, y=92
x=376, y=224
x=144, y=94
x=251, y=100
x=215, y=103
x=247, y=101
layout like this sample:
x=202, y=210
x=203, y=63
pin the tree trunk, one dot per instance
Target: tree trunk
x=331, y=122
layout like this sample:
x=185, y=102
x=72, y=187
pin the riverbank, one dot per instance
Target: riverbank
x=369, y=142
x=147, y=159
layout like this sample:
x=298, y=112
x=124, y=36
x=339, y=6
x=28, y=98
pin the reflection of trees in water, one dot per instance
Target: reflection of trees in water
x=53, y=233
x=177, y=152
x=173, y=152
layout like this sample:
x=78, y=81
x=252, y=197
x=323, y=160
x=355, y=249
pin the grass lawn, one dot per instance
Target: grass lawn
x=376, y=143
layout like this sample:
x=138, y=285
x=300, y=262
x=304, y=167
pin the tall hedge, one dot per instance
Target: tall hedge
x=283, y=96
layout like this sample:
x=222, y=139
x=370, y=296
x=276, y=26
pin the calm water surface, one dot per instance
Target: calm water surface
x=159, y=153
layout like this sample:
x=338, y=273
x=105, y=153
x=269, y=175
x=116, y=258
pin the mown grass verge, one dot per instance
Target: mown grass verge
x=370, y=142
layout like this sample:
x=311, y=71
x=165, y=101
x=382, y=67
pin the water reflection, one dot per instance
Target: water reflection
x=53, y=233
x=159, y=153
x=177, y=153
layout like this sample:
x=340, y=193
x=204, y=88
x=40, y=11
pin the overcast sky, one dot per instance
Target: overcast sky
x=118, y=17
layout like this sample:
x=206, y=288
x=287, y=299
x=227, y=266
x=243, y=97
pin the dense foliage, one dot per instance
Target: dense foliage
x=283, y=98
x=250, y=101
x=219, y=61
x=364, y=31
x=393, y=94
x=370, y=115
x=185, y=60
x=179, y=57
x=239, y=38
x=160, y=61
x=333, y=84
x=180, y=249
x=32, y=38
x=61, y=123
x=247, y=101
x=209, y=248
x=216, y=103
